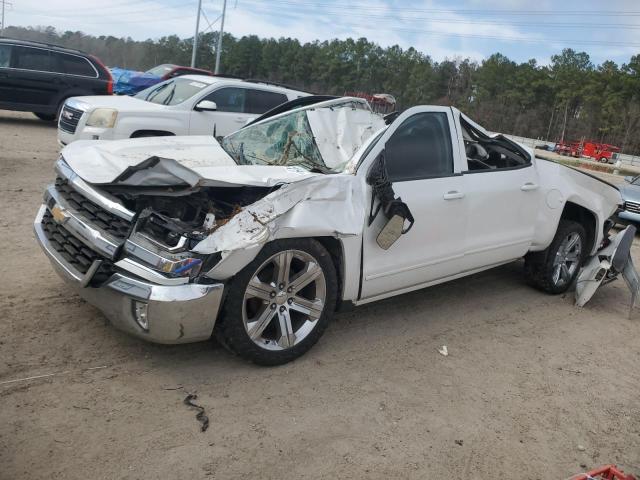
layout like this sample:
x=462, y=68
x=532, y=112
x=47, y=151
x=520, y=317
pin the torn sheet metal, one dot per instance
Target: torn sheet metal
x=340, y=133
x=304, y=207
x=165, y=161
x=604, y=267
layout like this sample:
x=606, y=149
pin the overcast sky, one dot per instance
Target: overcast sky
x=520, y=29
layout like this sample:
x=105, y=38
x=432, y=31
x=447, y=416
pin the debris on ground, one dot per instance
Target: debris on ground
x=459, y=442
x=443, y=351
x=200, y=416
x=581, y=448
x=607, y=472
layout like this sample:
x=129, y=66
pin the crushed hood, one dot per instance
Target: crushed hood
x=166, y=161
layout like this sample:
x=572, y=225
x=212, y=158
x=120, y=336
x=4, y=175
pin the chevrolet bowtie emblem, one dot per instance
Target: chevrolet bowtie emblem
x=59, y=214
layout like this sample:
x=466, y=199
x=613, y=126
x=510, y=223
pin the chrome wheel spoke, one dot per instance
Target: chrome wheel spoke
x=308, y=307
x=572, y=257
x=556, y=273
x=259, y=289
x=255, y=329
x=287, y=337
x=572, y=240
x=283, y=267
x=310, y=273
x=564, y=272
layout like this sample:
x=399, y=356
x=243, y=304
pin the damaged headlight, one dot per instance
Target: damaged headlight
x=103, y=118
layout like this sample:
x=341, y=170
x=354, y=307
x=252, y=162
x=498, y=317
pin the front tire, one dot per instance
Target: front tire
x=279, y=305
x=555, y=269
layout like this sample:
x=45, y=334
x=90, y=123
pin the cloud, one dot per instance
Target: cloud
x=439, y=28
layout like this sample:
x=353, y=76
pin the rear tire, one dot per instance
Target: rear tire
x=555, y=269
x=279, y=305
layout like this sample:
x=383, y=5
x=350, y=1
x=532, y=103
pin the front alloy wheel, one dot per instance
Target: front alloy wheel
x=278, y=306
x=284, y=300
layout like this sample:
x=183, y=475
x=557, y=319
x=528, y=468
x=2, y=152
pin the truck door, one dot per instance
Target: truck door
x=422, y=155
x=502, y=205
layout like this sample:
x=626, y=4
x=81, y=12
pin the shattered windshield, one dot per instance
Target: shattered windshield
x=318, y=139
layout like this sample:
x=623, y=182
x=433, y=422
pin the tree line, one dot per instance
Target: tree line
x=570, y=98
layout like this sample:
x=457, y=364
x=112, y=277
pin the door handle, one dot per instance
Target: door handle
x=453, y=195
x=529, y=186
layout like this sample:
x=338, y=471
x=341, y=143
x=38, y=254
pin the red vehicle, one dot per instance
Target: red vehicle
x=602, y=152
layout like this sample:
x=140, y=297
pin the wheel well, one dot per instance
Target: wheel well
x=334, y=247
x=584, y=217
x=151, y=133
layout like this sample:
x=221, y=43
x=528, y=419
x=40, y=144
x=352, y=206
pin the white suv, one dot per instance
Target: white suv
x=187, y=105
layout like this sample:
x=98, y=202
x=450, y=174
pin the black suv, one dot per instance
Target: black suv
x=38, y=77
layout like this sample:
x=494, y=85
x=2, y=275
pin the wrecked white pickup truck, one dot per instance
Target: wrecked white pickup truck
x=259, y=239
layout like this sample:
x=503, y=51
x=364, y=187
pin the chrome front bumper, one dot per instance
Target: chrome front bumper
x=175, y=313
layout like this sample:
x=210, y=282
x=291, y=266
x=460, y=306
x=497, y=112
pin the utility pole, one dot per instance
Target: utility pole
x=219, y=46
x=2, y=24
x=195, y=36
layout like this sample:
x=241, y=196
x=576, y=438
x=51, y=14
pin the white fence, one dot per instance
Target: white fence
x=531, y=142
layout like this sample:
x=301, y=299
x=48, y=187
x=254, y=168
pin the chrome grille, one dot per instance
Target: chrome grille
x=69, y=118
x=73, y=250
x=632, y=207
x=99, y=217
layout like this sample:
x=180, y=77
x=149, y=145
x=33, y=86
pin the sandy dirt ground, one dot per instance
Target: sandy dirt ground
x=533, y=388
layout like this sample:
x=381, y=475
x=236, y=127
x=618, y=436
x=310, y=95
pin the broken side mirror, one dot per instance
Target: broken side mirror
x=394, y=209
x=391, y=232
x=206, y=106
x=398, y=214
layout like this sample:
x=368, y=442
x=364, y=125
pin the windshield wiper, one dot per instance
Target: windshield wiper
x=170, y=96
x=155, y=92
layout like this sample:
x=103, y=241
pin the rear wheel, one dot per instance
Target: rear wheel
x=279, y=305
x=47, y=117
x=555, y=269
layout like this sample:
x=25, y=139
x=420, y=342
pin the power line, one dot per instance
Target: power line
x=355, y=6
x=110, y=12
x=394, y=28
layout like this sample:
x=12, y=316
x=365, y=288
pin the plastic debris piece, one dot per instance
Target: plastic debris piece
x=443, y=351
x=209, y=221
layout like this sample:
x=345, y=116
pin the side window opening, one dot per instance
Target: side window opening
x=28, y=58
x=420, y=148
x=486, y=153
x=5, y=56
x=229, y=99
x=261, y=101
x=72, y=64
